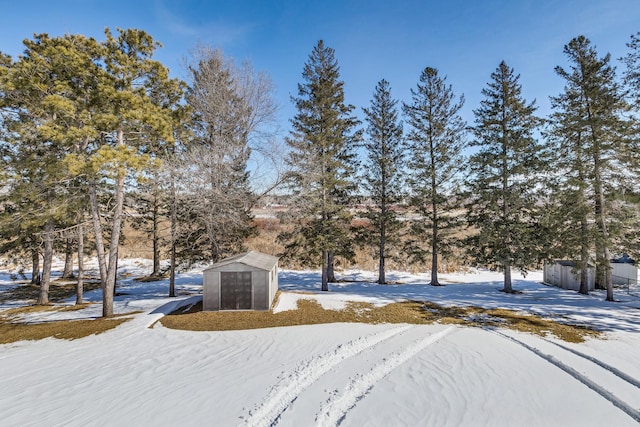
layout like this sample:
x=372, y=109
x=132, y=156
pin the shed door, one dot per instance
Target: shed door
x=235, y=290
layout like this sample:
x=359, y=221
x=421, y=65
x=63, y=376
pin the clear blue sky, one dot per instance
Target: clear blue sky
x=391, y=39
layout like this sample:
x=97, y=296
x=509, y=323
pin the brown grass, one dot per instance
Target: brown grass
x=137, y=244
x=12, y=329
x=365, y=258
x=309, y=312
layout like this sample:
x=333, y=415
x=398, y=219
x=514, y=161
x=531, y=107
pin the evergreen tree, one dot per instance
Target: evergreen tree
x=322, y=159
x=436, y=140
x=504, y=174
x=630, y=242
x=632, y=71
x=382, y=179
x=91, y=102
x=37, y=195
x=588, y=119
x=151, y=197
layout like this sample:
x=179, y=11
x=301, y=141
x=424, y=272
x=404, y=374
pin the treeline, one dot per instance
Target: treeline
x=94, y=132
x=512, y=188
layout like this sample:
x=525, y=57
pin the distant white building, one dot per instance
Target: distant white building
x=565, y=274
x=624, y=271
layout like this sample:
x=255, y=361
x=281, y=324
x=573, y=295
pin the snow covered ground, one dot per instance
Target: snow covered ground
x=336, y=374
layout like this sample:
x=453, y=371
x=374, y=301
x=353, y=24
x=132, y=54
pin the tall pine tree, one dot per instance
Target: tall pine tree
x=632, y=83
x=382, y=178
x=632, y=70
x=92, y=102
x=589, y=119
x=322, y=159
x=504, y=174
x=436, y=140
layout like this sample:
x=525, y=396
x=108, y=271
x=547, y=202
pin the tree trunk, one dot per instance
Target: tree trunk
x=110, y=284
x=434, y=250
x=506, y=212
x=215, y=255
x=115, y=280
x=174, y=221
x=600, y=275
x=507, y=278
x=47, y=258
x=434, y=214
x=607, y=275
x=602, y=241
x=604, y=262
x=35, y=266
x=325, y=263
x=381, y=270
x=584, y=258
x=156, y=238
x=584, y=222
x=80, y=284
x=331, y=277
x=67, y=273
x=97, y=231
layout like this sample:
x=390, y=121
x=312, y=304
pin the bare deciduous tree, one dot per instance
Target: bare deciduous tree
x=233, y=121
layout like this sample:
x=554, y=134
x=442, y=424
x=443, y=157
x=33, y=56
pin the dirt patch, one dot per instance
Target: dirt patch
x=309, y=312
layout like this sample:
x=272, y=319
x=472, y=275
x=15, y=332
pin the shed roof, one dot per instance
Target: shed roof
x=566, y=263
x=569, y=263
x=252, y=259
x=624, y=259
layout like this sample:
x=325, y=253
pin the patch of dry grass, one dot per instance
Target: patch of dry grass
x=68, y=329
x=13, y=328
x=365, y=258
x=309, y=312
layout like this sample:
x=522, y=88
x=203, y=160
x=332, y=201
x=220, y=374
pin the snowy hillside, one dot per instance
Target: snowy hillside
x=334, y=374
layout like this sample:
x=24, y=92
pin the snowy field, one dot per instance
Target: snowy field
x=336, y=374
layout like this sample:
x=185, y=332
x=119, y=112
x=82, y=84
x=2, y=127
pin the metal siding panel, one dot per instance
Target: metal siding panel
x=260, y=290
x=273, y=284
x=210, y=299
x=245, y=290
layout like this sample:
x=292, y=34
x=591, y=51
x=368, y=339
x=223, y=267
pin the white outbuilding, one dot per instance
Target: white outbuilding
x=248, y=281
x=565, y=274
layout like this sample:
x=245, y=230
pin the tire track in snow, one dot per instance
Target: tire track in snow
x=615, y=371
x=336, y=408
x=289, y=388
x=632, y=412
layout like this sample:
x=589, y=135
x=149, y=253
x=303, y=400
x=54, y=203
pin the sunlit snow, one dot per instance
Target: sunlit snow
x=325, y=375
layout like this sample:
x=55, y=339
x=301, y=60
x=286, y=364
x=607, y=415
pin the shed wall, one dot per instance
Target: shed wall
x=211, y=290
x=264, y=286
x=624, y=274
x=273, y=284
x=260, y=283
x=564, y=277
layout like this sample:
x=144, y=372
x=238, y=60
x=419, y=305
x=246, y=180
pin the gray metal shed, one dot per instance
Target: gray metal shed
x=247, y=281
